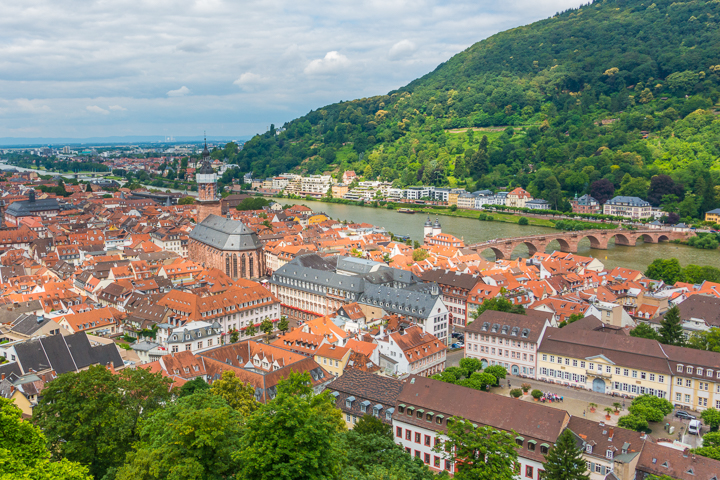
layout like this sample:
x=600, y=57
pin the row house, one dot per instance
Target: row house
x=411, y=350
x=455, y=289
x=507, y=339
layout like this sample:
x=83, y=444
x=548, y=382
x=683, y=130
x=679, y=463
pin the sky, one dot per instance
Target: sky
x=79, y=68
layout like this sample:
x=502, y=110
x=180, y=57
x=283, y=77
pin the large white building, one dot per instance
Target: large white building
x=629, y=207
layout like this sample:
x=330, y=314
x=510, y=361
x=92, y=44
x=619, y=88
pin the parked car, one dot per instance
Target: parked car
x=684, y=415
x=694, y=427
x=457, y=345
x=458, y=335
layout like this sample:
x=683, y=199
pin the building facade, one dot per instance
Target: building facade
x=629, y=207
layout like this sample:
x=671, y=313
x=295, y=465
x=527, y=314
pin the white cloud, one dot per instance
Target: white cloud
x=96, y=109
x=180, y=92
x=331, y=64
x=402, y=49
x=287, y=51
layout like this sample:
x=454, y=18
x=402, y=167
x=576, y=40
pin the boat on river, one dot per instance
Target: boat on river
x=406, y=210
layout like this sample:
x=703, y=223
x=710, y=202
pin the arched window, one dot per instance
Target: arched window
x=227, y=265
x=242, y=267
x=251, y=266
x=235, y=266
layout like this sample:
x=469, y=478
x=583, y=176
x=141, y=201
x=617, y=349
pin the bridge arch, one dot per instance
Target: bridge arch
x=623, y=239
x=499, y=255
x=596, y=241
x=533, y=247
x=663, y=238
x=564, y=245
x=648, y=238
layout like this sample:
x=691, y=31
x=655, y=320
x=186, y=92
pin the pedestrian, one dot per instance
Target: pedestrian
x=583, y=413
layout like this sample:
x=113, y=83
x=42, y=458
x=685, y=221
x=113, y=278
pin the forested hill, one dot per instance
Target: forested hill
x=616, y=90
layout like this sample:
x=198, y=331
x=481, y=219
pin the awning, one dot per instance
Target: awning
x=520, y=438
x=402, y=405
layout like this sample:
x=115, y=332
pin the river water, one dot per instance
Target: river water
x=473, y=231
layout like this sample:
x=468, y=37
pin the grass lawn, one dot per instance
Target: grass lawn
x=497, y=217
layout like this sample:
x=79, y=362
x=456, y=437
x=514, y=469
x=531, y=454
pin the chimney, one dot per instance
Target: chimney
x=3, y=377
x=611, y=431
x=12, y=388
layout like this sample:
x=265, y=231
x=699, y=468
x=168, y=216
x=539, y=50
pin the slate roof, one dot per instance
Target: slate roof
x=357, y=266
x=225, y=234
x=11, y=312
x=452, y=279
x=26, y=207
x=395, y=300
x=632, y=201
x=29, y=324
x=365, y=386
x=660, y=460
x=702, y=307
x=526, y=328
x=65, y=354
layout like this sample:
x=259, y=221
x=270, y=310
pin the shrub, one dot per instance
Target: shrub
x=523, y=221
x=516, y=393
x=536, y=393
x=525, y=387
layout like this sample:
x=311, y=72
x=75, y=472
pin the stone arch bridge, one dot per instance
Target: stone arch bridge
x=503, y=248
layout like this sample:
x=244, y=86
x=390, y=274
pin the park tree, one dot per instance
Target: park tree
x=24, y=454
x=643, y=330
x=283, y=324
x=711, y=446
x=371, y=425
x=671, y=332
x=633, y=422
x=470, y=365
x=193, y=386
x=711, y=417
x=478, y=453
x=497, y=371
x=267, y=327
x=479, y=381
x=91, y=416
x=238, y=395
x=191, y=439
x=293, y=436
x=565, y=460
x=667, y=270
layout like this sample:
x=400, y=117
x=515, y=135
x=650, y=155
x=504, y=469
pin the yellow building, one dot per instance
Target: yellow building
x=339, y=190
x=713, y=216
x=604, y=362
x=315, y=219
x=696, y=377
x=453, y=198
x=333, y=358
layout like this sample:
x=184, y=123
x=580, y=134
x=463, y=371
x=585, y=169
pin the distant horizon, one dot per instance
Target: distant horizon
x=19, y=142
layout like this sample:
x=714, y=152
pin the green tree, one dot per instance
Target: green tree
x=671, y=332
x=651, y=401
x=498, y=304
x=711, y=446
x=238, y=395
x=571, y=319
x=283, y=324
x=234, y=335
x=565, y=460
x=251, y=331
x=193, y=386
x=711, y=417
x=633, y=422
x=523, y=221
x=707, y=340
x=643, y=330
x=478, y=453
x=88, y=188
x=24, y=454
x=293, y=436
x=370, y=425
x=470, y=365
x=496, y=371
x=91, y=416
x=667, y=270
x=191, y=439
x=420, y=254
x=377, y=457
x=479, y=381
x=267, y=327
x=186, y=201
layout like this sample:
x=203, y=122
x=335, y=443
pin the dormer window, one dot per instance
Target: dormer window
x=680, y=368
x=349, y=401
x=689, y=369
x=588, y=448
x=609, y=454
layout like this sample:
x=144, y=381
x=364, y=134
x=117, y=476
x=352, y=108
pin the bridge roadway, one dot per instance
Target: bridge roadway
x=569, y=241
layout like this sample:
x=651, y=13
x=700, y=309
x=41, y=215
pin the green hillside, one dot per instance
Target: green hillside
x=526, y=107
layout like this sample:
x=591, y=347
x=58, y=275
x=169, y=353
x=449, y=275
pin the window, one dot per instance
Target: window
x=417, y=437
x=617, y=371
x=688, y=383
x=531, y=445
x=626, y=372
x=427, y=458
x=544, y=448
x=519, y=441
x=689, y=369
x=575, y=363
x=592, y=366
x=687, y=398
x=398, y=430
x=582, y=364
x=678, y=397
x=598, y=468
x=588, y=448
x=436, y=461
x=609, y=454
x=642, y=375
x=528, y=471
x=427, y=440
x=680, y=368
x=652, y=377
x=417, y=453
x=544, y=357
x=634, y=374
x=408, y=435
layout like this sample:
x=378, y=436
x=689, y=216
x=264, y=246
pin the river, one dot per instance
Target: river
x=473, y=231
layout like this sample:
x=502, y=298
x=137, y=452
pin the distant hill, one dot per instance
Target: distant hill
x=621, y=90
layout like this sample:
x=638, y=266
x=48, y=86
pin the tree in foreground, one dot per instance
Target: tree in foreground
x=238, y=395
x=633, y=422
x=24, y=454
x=671, y=332
x=478, y=453
x=711, y=417
x=565, y=460
x=91, y=416
x=378, y=457
x=370, y=425
x=711, y=446
x=193, y=386
x=293, y=436
x=283, y=324
x=190, y=439
x=267, y=327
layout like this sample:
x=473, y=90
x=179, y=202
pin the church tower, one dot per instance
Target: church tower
x=436, y=229
x=427, y=228
x=206, y=178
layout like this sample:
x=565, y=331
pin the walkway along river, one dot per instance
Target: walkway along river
x=475, y=231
